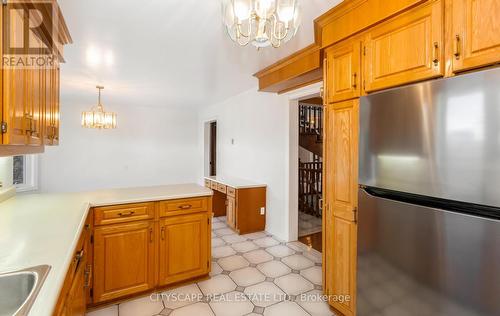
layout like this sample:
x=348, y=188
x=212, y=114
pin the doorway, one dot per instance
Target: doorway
x=210, y=148
x=310, y=171
x=213, y=149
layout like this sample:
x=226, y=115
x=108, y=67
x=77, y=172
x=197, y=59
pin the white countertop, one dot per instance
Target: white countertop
x=38, y=229
x=235, y=182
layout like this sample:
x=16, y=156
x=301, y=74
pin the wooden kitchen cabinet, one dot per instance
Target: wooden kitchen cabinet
x=73, y=297
x=124, y=259
x=29, y=112
x=76, y=302
x=340, y=203
x=405, y=49
x=475, y=33
x=343, y=71
x=184, y=247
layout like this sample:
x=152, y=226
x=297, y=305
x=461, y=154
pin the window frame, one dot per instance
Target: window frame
x=30, y=174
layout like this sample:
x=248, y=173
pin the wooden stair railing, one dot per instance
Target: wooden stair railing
x=311, y=128
x=310, y=187
x=311, y=120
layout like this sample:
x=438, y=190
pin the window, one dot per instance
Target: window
x=24, y=172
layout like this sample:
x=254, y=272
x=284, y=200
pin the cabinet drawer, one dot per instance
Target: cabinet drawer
x=221, y=188
x=207, y=183
x=213, y=185
x=231, y=191
x=123, y=213
x=183, y=206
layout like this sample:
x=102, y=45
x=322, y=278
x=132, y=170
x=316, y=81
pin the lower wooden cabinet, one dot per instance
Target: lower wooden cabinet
x=76, y=302
x=184, y=247
x=340, y=254
x=124, y=260
x=73, y=297
x=139, y=247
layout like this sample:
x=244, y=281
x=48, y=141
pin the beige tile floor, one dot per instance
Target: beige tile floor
x=254, y=274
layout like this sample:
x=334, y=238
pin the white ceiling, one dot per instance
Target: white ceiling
x=163, y=52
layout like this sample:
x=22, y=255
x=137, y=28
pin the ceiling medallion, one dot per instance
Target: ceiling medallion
x=261, y=22
x=97, y=117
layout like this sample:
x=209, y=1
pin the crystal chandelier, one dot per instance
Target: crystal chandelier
x=97, y=117
x=261, y=22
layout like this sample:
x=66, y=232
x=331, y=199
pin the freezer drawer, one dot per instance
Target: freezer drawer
x=416, y=260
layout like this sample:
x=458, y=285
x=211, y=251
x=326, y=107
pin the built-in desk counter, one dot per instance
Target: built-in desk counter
x=243, y=203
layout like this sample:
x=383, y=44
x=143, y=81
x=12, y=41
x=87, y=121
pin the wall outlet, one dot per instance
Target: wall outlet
x=262, y=211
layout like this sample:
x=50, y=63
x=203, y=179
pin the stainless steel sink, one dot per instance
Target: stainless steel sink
x=18, y=289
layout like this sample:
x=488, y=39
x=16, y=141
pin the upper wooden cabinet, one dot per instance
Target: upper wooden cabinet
x=342, y=64
x=406, y=49
x=476, y=33
x=184, y=247
x=124, y=259
x=29, y=111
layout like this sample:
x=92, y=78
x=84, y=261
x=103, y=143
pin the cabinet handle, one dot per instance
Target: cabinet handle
x=151, y=235
x=456, y=48
x=163, y=233
x=435, y=59
x=28, y=122
x=79, y=256
x=126, y=214
x=354, y=80
x=88, y=270
x=185, y=206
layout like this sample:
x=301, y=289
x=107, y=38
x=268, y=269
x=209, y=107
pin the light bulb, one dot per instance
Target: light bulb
x=228, y=12
x=241, y=9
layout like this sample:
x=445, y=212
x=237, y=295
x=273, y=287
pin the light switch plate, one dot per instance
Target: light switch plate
x=262, y=211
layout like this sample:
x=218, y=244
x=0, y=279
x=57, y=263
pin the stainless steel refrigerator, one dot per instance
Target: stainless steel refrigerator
x=429, y=198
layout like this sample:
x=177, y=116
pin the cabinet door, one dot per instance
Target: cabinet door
x=231, y=212
x=124, y=260
x=76, y=300
x=343, y=73
x=405, y=49
x=15, y=112
x=340, y=197
x=343, y=159
x=476, y=33
x=35, y=104
x=341, y=269
x=51, y=106
x=184, y=247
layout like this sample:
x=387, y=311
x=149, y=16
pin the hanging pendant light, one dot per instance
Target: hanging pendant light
x=97, y=117
x=261, y=23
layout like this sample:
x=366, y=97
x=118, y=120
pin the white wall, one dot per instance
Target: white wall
x=151, y=146
x=6, y=171
x=258, y=123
